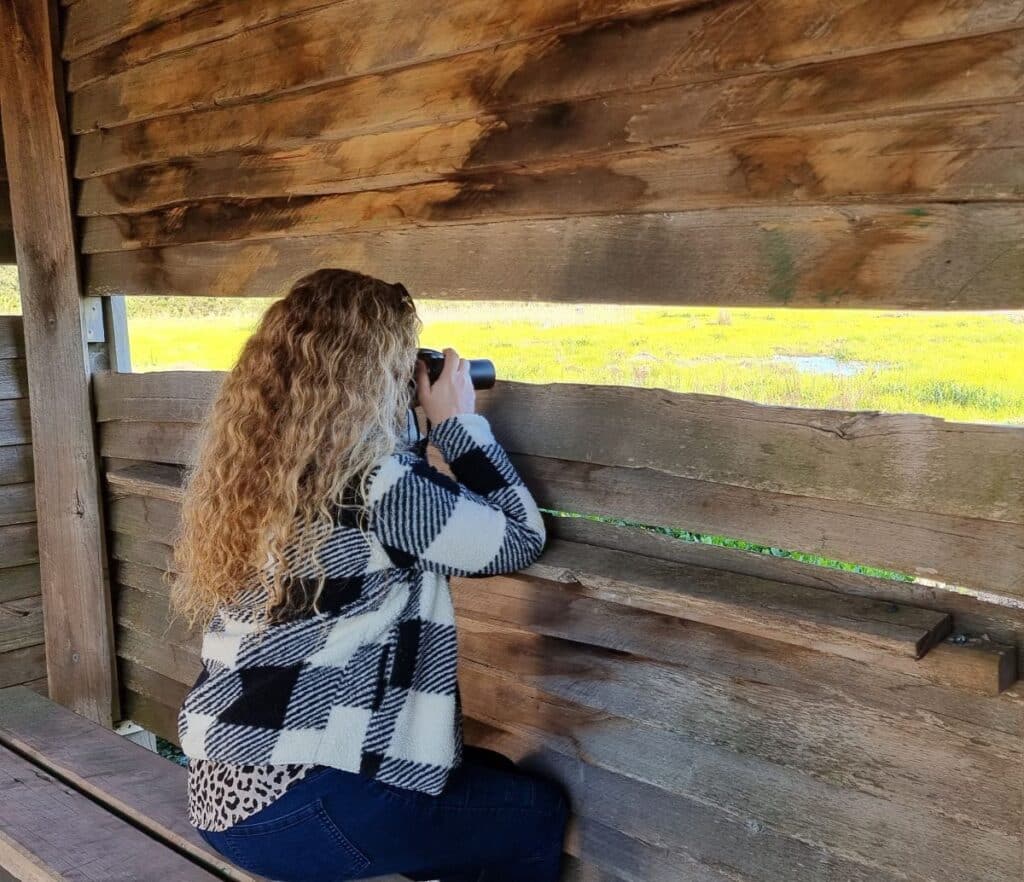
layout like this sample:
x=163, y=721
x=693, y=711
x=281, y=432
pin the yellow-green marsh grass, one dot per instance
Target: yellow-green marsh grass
x=961, y=366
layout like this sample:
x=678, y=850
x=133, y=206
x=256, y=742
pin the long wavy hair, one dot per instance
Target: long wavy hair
x=319, y=393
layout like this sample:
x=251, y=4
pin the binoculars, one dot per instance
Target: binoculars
x=481, y=370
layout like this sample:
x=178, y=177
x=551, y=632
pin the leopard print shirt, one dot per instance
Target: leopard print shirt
x=221, y=795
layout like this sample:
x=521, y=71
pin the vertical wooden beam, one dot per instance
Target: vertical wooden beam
x=76, y=599
x=115, y=323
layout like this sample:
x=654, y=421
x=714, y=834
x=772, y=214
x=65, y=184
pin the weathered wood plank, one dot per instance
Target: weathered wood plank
x=124, y=41
x=109, y=769
x=832, y=736
x=983, y=554
x=915, y=462
x=21, y=623
x=19, y=545
x=147, y=552
x=834, y=817
x=102, y=42
x=13, y=379
x=974, y=613
x=17, y=504
x=148, y=612
x=16, y=464
x=965, y=662
x=12, y=337
x=15, y=420
x=79, y=629
x=157, y=718
x=634, y=54
x=156, y=480
x=856, y=628
x=19, y=581
x=22, y=665
x=154, y=519
x=750, y=608
x=791, y=167
x=930, y=156
x=566, y=612
x=337, y=41
x=842, y=256
x=723, y=843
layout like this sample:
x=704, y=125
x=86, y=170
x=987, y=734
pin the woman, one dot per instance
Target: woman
x=324, y=732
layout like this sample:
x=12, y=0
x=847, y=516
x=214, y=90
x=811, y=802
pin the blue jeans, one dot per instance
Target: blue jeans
x=494, y=822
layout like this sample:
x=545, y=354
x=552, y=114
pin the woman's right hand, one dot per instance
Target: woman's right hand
x=452, y=393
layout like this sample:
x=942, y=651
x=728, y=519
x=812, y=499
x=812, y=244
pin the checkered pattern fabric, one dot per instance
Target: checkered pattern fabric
x=369, y=683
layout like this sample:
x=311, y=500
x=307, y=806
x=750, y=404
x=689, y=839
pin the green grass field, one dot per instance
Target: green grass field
x=961, y=366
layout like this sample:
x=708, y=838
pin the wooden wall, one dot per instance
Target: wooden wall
x=22, y=652
x=765, y=152
x=715, y=714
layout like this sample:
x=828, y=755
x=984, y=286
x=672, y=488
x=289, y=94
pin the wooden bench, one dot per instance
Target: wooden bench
x=79, y=802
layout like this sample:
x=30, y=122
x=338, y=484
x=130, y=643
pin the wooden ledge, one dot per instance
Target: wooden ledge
x=845, y=625
x=155, y=480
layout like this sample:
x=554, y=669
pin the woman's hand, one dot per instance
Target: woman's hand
x=452, y=392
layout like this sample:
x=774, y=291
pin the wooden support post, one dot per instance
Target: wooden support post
x=76, y=599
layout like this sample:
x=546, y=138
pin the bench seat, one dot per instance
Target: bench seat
x=80, y=802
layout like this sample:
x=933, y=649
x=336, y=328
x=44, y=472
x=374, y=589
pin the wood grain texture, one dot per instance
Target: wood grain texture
x=911, y=462
x=981, y=554
x=72, y=837
x=109, y=769
x=929, y=156
x=785, y=168
x=79, y=630
x=852, y=627
x=333, y=42
x=839, y=256
x=783, y=800
x=773, y=48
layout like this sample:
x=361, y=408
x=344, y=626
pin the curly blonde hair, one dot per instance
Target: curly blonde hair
x=319, y=393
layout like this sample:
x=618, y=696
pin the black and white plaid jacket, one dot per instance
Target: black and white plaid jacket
x=369, y=683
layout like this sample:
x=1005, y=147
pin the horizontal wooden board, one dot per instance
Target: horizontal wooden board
x=109, y=769
x=13, y=380
x=15, y=427
x=337, y=41
x=796, y=611
x=566, y=612
x=791, y=167
x=907, y=461
x=788, y=459
x=22, y=666
x=16, y=464
x=855, y=628
x=492, y=84
x=12, y=337
x=21, y=623
x=17, y=504
x=141, y=33
x=753, y=719
x=780, y=798
x=18, y=545
x=974, y=612
x=839, y=256
x=19, y=581
x=592, y=167
x=52, y=832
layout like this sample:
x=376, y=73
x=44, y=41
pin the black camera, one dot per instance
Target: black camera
x=481, y=370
